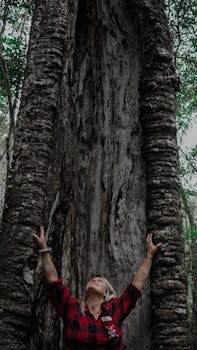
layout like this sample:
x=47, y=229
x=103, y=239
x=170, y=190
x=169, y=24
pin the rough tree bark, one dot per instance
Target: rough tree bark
x=79, y=167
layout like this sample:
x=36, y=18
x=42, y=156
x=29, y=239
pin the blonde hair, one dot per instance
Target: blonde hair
x=110, y=294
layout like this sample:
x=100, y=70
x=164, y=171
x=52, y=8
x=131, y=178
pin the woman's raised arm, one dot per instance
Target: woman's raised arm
x=49, y=270
x=144, y=270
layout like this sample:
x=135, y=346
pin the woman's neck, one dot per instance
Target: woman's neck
x=94, y=302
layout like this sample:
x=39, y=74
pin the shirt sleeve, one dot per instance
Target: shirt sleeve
x=59, y=296
x=127, y=301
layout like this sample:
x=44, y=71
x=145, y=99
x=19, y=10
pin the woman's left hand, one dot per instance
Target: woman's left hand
x=152, y=249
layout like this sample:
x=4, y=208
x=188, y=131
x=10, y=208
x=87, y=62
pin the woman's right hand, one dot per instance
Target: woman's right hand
x=40, y=240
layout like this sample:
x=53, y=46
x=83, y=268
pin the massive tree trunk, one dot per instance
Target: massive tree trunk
x=86, y=158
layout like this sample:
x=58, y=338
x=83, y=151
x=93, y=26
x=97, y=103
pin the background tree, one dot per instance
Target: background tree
x=15, y=21
x=78, y=166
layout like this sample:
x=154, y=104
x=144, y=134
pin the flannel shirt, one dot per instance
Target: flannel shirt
x=82, y=330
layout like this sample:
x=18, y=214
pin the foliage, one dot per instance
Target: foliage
x=15, y=18
x=182, y=15
x=188, y=168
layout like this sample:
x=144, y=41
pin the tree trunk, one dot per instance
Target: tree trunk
x=79, y=167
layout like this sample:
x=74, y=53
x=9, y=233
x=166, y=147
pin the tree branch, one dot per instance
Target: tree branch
x=5, y=17
x=188, y=160
x=187, y=209
x=2, y=155
x=19, y=71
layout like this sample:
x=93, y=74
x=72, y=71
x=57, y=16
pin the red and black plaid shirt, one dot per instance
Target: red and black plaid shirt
x=82, y=330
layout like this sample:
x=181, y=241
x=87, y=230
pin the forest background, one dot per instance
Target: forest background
x=15, y=19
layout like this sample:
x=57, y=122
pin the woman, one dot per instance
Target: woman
x=95, y=322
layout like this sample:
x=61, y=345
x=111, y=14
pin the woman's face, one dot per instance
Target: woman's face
x=97, y=284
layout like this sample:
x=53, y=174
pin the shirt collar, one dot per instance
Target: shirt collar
x=103, y=307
